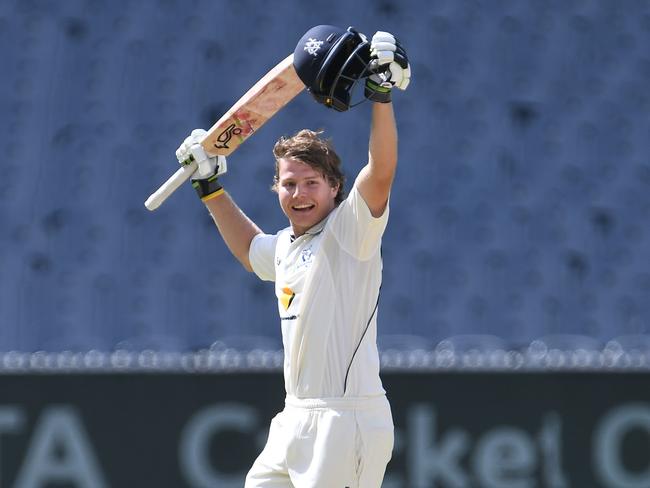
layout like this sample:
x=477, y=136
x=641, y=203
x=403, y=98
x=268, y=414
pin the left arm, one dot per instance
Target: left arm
x=375, y=179
x=392, y=70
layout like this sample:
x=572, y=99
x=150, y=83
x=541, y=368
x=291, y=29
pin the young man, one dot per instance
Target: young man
x=336, y=429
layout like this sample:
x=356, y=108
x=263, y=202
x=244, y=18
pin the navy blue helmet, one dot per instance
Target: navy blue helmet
x=329, y=61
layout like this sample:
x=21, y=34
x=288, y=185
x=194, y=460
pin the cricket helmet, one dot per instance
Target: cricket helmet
x=329, y=61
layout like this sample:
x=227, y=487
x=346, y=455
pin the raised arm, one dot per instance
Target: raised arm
x=375, y=179
x=236, y=229
x=393, y=70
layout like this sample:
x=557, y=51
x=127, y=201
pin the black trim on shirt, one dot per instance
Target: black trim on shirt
x=345, y=383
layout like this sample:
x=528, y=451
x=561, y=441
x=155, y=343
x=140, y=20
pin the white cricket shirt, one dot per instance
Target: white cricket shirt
x=327, y=284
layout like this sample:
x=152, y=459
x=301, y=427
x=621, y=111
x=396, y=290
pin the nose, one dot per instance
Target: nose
x=298, y=190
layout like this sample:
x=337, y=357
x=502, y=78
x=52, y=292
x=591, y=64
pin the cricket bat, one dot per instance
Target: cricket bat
x=277, y=88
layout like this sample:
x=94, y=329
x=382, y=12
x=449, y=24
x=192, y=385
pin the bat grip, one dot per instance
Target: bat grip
x=170, y=186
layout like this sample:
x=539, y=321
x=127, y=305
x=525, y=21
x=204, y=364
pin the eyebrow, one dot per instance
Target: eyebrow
x=293, y=178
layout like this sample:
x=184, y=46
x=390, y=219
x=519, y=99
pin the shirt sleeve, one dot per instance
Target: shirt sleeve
x=354, y=227
x=261, y=255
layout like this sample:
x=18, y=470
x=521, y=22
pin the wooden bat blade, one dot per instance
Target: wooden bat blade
x=272, y=92
x=277, y=88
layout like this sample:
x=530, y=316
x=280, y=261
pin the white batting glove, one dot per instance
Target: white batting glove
x=191, y=150
x=391, y=66
x=209, y=168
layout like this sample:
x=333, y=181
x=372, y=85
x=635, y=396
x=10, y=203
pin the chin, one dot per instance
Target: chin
x=305, y=223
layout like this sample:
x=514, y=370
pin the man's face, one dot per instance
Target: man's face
x=305, y=195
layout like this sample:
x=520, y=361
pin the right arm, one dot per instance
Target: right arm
x=236, y=229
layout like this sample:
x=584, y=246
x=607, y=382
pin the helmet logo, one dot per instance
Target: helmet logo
x=312, y=46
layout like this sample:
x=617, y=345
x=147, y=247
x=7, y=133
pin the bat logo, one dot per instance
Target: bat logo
x=224, y=138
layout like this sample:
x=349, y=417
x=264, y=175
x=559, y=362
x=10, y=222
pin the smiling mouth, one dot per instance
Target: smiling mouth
x=302, y=208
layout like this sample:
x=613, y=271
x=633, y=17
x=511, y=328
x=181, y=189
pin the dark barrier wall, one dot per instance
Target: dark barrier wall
x=452, y=430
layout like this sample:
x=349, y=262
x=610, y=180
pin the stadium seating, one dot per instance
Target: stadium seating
x=519, y=212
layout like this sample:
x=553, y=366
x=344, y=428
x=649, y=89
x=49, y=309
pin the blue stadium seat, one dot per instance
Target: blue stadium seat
x=519, y=210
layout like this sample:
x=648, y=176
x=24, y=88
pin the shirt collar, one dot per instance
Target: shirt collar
x=315, y=230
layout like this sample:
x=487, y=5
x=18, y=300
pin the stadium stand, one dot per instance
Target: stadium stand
x=519, y=212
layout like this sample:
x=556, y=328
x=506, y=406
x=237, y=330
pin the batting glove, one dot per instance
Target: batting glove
x=205, y=178
x=390, y=65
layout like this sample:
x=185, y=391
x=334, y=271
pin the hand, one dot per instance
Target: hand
x=390, y=65
x=191, y=150
x=204, y=179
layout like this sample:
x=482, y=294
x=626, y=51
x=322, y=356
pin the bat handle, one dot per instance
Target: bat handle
x=170, y=186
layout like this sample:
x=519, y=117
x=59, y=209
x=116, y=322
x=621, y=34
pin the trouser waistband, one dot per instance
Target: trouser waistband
x=339, y=403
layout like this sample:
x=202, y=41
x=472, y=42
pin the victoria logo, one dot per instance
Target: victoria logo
x=312, y=46
x=224, y=138
x=306, y=257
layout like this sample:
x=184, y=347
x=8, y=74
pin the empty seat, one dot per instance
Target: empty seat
x=519, y=210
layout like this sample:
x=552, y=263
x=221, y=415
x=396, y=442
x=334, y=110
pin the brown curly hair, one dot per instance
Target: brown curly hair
x=308, y=147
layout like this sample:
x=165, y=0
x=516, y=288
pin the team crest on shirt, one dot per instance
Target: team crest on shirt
x=305, y=258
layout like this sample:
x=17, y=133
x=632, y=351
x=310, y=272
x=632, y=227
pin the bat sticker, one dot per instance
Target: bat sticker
x=224, y=138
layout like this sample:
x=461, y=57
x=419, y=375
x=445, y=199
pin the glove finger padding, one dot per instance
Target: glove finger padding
x=183, y=152
x=208, y=168
x=400, y=69
x=383, y=57
x=400, y=77
x=197, y=135
x=381, y=37
x=382, y=47
x=390, y=67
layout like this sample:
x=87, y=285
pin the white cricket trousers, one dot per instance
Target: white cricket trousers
x=326, y=443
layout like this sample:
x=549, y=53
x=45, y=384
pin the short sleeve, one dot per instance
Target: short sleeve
x=354, y=227
x=261, y=255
